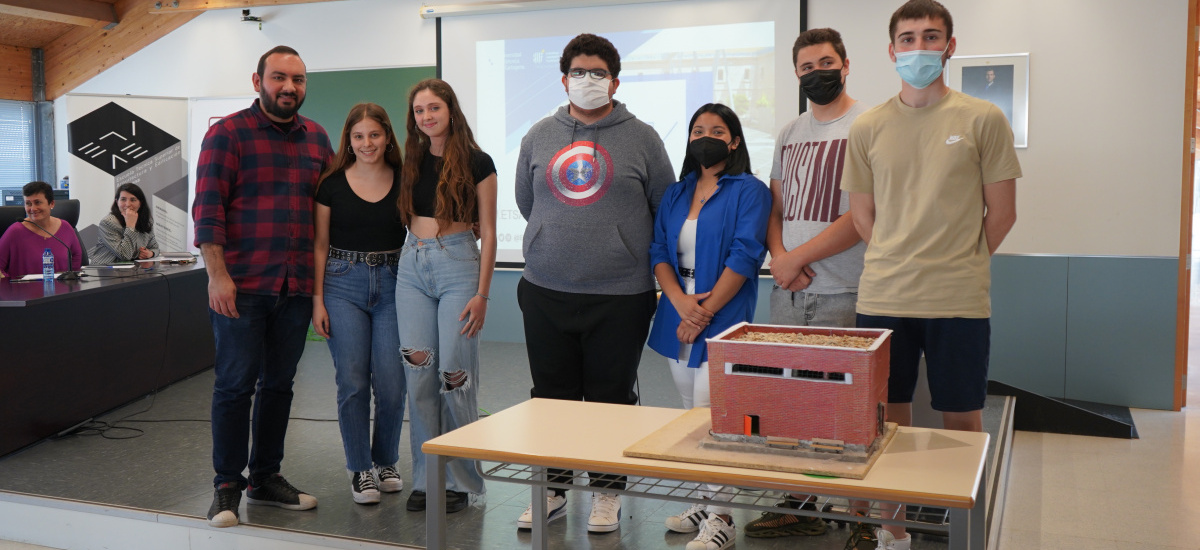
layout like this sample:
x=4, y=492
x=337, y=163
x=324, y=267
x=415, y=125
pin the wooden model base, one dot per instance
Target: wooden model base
x=687, y=439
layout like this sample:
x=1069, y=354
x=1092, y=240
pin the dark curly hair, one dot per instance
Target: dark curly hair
x=145, y=222
x=35, y=187
x=590, y=44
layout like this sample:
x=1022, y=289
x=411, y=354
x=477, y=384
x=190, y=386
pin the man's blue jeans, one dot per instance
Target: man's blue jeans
x=256, y=357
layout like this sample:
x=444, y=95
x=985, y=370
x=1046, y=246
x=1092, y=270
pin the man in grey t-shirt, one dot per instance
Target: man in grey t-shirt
x=816, y=254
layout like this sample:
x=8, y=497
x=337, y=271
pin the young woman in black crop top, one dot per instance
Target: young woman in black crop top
x=447, y=185
x=357, y=247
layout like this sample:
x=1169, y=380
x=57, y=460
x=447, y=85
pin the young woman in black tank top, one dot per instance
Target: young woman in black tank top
x=447, y=185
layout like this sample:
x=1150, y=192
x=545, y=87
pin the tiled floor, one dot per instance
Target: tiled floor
x=168, y=469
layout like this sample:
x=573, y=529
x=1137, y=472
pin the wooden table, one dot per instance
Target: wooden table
x=920, y=468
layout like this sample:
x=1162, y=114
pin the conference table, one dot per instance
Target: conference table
x=75, y=349
x=937, y=474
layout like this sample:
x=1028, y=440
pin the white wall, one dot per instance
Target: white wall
x=214, y=54
x=1101, y=177
x=1103, y=170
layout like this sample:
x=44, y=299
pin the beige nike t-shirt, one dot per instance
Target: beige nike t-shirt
x=928, y=255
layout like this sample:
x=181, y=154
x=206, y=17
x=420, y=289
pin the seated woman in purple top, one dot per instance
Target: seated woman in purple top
x=22, y=245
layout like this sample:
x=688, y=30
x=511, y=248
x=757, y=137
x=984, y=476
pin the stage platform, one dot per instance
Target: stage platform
x=115, y=490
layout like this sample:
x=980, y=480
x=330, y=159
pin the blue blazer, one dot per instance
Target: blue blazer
x=731, y=231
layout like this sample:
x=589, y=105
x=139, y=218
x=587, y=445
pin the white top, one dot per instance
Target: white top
x=687, y=245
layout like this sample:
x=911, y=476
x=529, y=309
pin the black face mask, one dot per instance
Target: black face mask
x=823, y=86
x=708, y=151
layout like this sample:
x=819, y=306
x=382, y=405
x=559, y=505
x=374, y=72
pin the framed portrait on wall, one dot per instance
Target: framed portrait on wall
x=1000, y=79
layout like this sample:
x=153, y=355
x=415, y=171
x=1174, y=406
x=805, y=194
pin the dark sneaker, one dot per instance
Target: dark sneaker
x=224, y=509
x=862, y=536
x=455, y=501
x=781, y=524
x=416, y=501
x=363, y=488
x=389, y=479
x=274, y=490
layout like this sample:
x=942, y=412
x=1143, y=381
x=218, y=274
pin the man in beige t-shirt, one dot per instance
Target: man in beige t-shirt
x=932, y=180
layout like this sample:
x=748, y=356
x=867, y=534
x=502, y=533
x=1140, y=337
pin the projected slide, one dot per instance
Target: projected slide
x=665, y=76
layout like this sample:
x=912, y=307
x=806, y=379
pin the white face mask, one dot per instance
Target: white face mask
x=587, y=93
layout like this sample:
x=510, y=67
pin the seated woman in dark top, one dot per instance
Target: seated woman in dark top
x=127, y=232
x=23, y=243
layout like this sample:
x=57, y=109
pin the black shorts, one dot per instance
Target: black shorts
x=956, y=359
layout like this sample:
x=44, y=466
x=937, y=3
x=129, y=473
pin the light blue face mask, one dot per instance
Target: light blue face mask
x=919, y=68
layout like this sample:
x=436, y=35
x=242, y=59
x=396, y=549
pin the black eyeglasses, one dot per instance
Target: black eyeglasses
x=597, y=74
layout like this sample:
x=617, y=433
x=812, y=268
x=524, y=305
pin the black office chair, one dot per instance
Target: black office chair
x=10, y=215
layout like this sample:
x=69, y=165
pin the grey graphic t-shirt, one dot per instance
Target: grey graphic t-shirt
x=809, y=157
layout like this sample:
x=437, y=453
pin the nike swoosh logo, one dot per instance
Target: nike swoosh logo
x=953, y=139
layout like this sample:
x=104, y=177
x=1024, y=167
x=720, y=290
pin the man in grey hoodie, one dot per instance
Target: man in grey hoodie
x=588, y=181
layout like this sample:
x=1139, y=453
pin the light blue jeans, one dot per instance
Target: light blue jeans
x=365, y=344
x=435, y=280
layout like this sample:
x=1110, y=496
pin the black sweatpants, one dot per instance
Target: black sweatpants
x=584, y=347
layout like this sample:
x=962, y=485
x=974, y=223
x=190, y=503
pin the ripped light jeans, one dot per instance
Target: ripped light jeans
x=435, y=280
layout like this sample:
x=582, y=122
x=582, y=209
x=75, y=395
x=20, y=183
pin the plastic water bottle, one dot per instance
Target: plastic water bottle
x=48, y=265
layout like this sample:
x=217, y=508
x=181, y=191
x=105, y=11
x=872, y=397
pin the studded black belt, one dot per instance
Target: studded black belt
x=370, y=258
x=689, y=273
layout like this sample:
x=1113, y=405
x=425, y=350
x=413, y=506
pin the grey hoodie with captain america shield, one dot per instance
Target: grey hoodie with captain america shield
x=589, y=192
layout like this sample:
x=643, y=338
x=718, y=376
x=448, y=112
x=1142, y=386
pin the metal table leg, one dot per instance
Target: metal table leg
x=435, y=501
x=968, y=526
x=538, y=496
x=978, y=516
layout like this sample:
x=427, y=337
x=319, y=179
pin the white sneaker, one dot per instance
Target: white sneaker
x=715, y=534
x=888, y=541
x=606, y=513
x=556, y=507
x=689, y=521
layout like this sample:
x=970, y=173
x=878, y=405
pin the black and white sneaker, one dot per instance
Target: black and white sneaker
x=389, y=479
x=689, y=520
x=363, y=487
x=274, y=490
x=715, y=534
x=224, y=509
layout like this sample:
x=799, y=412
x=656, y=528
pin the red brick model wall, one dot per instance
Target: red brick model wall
x=800, y=408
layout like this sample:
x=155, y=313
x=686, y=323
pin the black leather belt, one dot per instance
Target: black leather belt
x=689, y=273
x=370, y=258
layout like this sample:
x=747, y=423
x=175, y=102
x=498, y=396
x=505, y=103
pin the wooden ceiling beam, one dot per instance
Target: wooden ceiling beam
x=83, y=53
x=177, y=6
x=85, y=13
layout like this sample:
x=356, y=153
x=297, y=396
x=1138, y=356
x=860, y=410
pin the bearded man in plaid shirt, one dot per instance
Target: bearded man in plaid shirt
x=254, y=225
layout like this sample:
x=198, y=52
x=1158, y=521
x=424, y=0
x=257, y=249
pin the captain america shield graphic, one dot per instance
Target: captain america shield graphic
x=580, y=173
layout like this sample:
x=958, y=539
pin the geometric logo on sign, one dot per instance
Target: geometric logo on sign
x=114, y=139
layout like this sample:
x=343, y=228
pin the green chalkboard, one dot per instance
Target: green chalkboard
x=331, y=94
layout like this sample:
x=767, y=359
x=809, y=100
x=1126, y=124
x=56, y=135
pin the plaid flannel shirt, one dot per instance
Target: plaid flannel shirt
x=254, y=196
